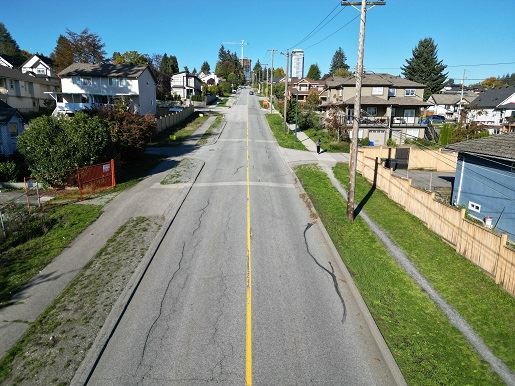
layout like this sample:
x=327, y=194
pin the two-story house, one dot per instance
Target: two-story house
x=11, y=125
x=185, y=85
x=448, y=105
x=36, y=66
x=209, y=79
x=86, y=86
x=24, y=92
x=492, y=108
x=299, y=89
x=391, y=106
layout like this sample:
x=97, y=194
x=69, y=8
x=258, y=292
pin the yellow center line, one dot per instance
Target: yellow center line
x=248, y=325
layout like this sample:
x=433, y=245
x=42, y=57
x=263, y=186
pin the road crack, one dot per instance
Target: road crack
x=330, y=273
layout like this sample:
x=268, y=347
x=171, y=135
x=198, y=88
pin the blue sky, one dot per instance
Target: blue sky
x=467, y=32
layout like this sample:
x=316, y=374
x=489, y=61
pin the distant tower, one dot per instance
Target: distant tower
x=246, y=63
x=297, y=63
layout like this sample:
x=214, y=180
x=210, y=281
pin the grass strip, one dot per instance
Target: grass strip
x=486, y=306
x=223, y=102
x=285, y=139
x=18, y=265
x=327, y=141
x=427, y=348
x=176, y=135
x=209, y=132
x=54, y=346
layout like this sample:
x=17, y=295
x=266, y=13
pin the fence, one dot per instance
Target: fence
x=482, y=246
x=170, y=120
x=94, y=177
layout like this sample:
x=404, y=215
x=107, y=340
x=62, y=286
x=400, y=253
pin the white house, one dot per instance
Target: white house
x=5, y=63
x=491, y=108
x=185, y=85
x=25, y=92
x=11, y=125
x=448, y=104
x=35, y=65
x=209, y=79
x=85, y=86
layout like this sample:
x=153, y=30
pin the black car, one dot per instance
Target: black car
x=251, y=92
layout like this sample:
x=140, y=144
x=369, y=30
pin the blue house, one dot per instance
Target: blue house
x=11, y=124
x=485, y=180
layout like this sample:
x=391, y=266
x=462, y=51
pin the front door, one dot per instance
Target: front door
x=409, y=116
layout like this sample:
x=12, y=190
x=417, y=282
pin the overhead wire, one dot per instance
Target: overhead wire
x=333, y=33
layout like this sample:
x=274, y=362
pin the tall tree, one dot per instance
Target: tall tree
x=206, y=68
x=130, y=57
x=313, y=72
x=424, y=67
x=63, y=53
x=338, y=62
x=87, y=46
x=194, y=72
x=174, y=64
x=186, y=69
x=9, y=47
x=279, y=72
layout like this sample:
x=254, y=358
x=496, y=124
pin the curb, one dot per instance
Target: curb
x=369, y=320
x=85, y=370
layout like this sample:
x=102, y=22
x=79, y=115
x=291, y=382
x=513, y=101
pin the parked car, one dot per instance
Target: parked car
x=251, y=92
x=433, y=119
x=175, y=109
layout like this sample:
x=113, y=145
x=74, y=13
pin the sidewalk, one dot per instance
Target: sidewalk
x=147, y=198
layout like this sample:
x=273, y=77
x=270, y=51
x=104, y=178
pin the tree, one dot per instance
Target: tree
x=228, y=63
x=342, y=72
x=9, y=47
x=205, y=68
x=63, y=53
x=87, y=46
x=194, y=72
x=314, y=72
x=174, y=64
x=492, y=82
x=130, y=57
x=338, y=62
x=424, y=67
x=186, y=69
x=279, y=72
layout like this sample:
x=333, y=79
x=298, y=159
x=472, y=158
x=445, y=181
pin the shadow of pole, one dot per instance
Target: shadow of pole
x=369, y=194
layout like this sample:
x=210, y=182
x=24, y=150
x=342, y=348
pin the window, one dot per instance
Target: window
x=122, y=82
x=86, y=81
x=76, y=80
x=12, y=84
x=474, y=207
x=371, y=111
x=409, y=92
x=13, y=129
x=392, y=92
x=40, y=71
x=113, y=82
x=377, y=91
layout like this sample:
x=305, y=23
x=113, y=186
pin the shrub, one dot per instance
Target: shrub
x=391, y=142
x=8, y=171
x=364, y=141
x=197, y=98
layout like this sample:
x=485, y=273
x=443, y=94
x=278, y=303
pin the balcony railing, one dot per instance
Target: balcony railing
x=383, y=122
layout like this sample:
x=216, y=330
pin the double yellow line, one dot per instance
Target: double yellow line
x=248, y=324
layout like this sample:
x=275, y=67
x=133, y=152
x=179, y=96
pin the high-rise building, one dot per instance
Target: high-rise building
x=297, y=63
x=247, y=65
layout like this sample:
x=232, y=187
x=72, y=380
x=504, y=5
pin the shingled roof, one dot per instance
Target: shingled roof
x=373, y=80
x=104, y=70
x=489, y=99
x=6, y=112
x=497, y=146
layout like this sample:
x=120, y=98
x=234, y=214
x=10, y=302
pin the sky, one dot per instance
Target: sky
x=467, y=32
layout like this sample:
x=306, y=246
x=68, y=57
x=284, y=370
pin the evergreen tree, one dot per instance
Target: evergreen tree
x=314, y=72
x=9, y=47
x=194, y=72
x=206, y=69
x=63, y=53
x=174, y=64
x=338, y=62
x=424, y=67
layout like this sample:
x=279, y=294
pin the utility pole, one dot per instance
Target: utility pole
x=272, y=78
x=461, y=97
x=285, y=107
x=353, y=159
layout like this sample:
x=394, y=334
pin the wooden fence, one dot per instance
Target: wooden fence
x=170, y=120
x=480, y=245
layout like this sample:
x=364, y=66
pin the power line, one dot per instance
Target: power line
x=309, y=34
x=452, y=66
x=331, y=34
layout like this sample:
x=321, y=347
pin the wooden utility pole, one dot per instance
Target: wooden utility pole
x=353, y=159
x=460, y=120
x=272, y=78
x=285, y=107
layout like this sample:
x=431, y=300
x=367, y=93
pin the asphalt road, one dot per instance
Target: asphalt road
x=187, y=323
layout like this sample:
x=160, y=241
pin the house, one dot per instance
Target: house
x=209, y=79
x=485, y=180
x=448, y=105
x=11, y=125
x=300, y=88
x=85, y=86
x=492, y=109
x=37, y=67
x=185, y=85
x=4, y=62
x=391, y=106
x=24, y=92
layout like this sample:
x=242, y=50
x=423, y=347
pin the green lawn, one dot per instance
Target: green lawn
x=427, y=348
x=176, y=135
x=328, y=142
x=209, y=132
x=486, y=306
x=19, y=264
x=223, y=102
x=285, y=139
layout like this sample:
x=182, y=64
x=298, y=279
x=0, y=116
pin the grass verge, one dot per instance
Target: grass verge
x=211, y=129
x=19, y=264
x=327, y=141
x=285, y=139
x=54, y=346
x=427, y=348
x=487, y=307
x=223, y=102
x=176, y=135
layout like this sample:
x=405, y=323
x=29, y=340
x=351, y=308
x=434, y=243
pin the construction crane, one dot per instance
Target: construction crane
x=242, y=43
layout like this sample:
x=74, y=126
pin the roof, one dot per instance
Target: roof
x=6, y=112
x=497, y=146
x=373, y=80
x=491, y=98
x=17, y=74
x=36, y=62
x=446, y=99
x=508, y=106
x=104, y=70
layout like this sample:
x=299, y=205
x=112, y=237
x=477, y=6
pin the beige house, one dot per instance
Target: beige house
x=391, y=106
x=300, y=89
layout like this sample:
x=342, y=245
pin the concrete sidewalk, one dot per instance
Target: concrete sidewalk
x=147, y=198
